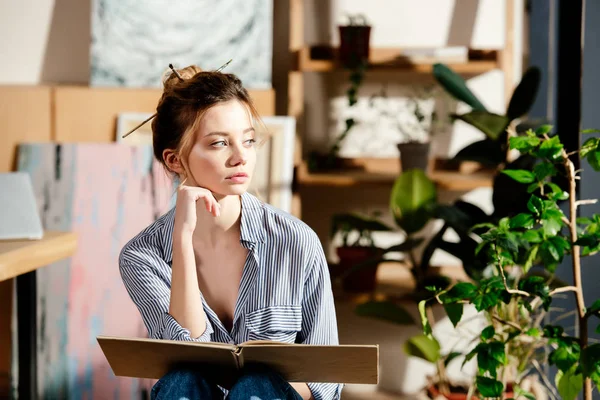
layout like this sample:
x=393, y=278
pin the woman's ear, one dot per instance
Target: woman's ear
x=173, y=161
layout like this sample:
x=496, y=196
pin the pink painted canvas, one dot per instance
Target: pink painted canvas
x=106, y=194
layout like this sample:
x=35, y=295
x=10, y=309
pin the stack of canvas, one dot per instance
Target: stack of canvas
x=106, y=194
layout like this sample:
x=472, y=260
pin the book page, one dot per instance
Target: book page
x=313, y=363
x=153, y=358
x=263, y=342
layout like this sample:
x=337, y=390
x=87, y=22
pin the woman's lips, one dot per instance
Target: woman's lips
x=238, y=178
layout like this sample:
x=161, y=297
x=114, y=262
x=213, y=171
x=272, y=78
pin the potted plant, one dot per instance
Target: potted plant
x=524, y=251
x=355, y=39
x=356, y=251
x=414, y=122
x=354, y=56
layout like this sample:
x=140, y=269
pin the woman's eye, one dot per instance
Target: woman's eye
x=250, y=142
x=220, y=143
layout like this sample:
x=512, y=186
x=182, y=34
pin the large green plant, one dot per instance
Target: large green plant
x=413, y=204
x=524, y=251
x=491, y=151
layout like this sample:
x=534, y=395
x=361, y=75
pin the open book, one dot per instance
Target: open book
x=153, y=358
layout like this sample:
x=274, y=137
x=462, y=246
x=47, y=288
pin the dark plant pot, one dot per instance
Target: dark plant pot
x=363, y=280
x=414, y=155
x=354, y=44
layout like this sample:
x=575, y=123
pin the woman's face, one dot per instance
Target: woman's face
x=223, y=157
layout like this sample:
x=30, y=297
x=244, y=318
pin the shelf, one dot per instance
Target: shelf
x=390, y=59
x=18, y=257
x=446, y=180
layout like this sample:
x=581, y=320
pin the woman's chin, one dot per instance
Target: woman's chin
x=233, y=190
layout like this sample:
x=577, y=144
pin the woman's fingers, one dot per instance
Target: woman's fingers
x=211, y=204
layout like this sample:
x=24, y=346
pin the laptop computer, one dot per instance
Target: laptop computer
x=19, y=215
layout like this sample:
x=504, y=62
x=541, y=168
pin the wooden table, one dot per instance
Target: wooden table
x=20, y=259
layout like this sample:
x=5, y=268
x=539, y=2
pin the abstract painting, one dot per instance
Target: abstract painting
x=106, y=194
x=133, y=42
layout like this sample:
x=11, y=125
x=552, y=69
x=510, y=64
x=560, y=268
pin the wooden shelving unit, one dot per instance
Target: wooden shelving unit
x=390, y=59
x=323, y=59
x=446, y=180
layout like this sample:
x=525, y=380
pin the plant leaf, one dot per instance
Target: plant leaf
x=569, y=383
x=586, y=131
x=524, y=94
x=489, y=387
x=386, y=311
x=588, y=146
x=424, y=320
x=424, y=347
x=460, y=291
x=594, y=308
x=590, y=362
x=594, y=160
x=566, y=355
x=542, y=130
x=551, y=149
x=456, y=86
x=451, y=356
x=412, y=200
x=488, y=152
x=493, y=125
x=454, y=311
x=488, y=333
x=522, y=220
x=520, y=175
x=535, y=205
x=544, y=170
x=524, y=143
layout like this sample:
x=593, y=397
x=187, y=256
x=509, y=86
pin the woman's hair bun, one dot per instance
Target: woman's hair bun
x=170, y=78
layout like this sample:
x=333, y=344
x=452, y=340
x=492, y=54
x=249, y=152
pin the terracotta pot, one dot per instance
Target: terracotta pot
x=354, y=44
x=433, y=392
x=363, y=280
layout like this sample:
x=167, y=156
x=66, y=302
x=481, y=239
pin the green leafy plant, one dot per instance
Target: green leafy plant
x=524, y=251
x=347, y=223
x=491, y=151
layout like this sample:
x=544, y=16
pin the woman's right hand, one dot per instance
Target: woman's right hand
x=185, y=207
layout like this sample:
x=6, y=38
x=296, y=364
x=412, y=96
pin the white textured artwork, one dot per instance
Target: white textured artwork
x=133, y=42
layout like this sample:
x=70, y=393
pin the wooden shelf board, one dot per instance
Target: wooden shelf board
x=21, y=256
x=388, y=59
x=447, y=180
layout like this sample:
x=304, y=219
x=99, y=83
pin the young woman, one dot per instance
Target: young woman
x=222, y=266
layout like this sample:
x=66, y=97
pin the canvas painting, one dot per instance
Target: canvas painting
x=272, y=181
x=133, y=42
x=106, y=194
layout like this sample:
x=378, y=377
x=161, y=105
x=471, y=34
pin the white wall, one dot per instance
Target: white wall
x=44, y=41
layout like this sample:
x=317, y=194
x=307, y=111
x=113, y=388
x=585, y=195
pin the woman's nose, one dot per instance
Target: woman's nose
x=239, y=156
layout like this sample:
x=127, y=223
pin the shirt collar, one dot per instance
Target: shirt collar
x=252, y=224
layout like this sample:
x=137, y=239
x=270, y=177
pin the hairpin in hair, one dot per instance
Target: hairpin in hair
x=154, y=115
x=175, y=72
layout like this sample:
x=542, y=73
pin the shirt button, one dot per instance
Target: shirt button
x=231, y=342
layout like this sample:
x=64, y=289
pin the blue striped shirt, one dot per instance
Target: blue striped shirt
x=285, y=291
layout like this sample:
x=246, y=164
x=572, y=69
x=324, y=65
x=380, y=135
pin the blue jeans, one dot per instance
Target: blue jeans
x=254, y=383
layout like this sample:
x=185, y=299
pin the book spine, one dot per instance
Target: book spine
x=238, y=358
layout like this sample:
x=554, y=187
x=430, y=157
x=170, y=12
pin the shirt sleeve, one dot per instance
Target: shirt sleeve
x=319, y=324
x=151, y=294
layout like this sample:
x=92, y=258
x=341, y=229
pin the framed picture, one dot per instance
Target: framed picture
x=274, y=172
x=128, y=121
